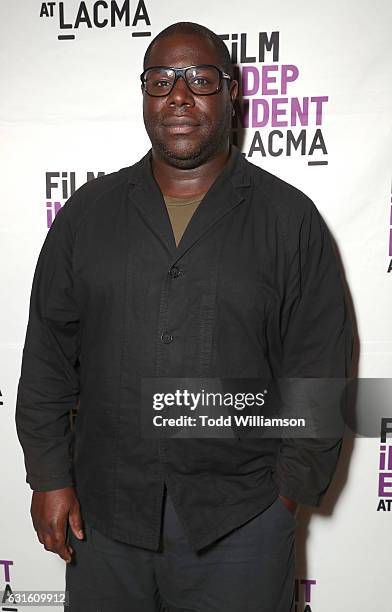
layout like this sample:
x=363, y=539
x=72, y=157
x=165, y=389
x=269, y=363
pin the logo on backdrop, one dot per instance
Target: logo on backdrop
x=59, y=187
x=97, y=15
x=385, y=467
x=303, y=594
x=280, y=123
x=390, y=235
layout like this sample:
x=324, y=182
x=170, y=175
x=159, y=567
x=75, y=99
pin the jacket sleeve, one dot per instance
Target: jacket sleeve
x=49, y=382
x=316, y=343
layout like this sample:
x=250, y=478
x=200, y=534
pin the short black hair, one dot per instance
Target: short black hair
x=188, y=27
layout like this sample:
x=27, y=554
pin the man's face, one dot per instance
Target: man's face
x=187, y=146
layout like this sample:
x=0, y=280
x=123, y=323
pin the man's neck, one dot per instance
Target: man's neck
x=177, y=182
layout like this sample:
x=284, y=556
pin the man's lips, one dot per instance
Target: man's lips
x=180, y=125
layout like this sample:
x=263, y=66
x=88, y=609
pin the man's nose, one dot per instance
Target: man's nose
x=181, y=94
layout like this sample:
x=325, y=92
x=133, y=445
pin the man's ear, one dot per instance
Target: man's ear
x=233, y=90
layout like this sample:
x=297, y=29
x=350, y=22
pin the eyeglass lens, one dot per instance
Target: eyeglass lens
x=201, y=80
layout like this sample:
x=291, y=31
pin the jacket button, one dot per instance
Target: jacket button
x=166, y=338
x=174, y=272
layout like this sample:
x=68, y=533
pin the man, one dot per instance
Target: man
x=191, y=263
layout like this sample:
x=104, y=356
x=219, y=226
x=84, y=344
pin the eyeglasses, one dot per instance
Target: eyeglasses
x=203, y=80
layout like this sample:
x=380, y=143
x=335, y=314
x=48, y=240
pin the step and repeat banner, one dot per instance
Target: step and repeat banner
x=314, y=109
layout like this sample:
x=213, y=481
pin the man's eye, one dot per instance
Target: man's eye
x=161, y=83
x=200, y=81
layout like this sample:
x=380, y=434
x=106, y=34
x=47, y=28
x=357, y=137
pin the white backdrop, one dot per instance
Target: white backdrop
x=74, y=106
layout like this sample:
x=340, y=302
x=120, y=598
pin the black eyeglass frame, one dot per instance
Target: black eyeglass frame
x=180, y=72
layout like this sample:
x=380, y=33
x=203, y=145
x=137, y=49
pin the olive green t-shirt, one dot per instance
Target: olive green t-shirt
x=180, y=211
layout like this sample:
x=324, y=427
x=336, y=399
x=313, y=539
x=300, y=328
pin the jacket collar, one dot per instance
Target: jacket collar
x=228, y=191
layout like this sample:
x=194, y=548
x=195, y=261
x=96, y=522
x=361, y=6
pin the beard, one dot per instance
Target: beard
x=184, y=152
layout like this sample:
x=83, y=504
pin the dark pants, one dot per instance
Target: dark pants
x=249, y=570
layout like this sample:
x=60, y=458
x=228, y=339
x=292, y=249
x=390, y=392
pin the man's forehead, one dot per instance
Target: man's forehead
x=183, y=50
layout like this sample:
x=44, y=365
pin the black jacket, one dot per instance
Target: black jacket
x=252, y=290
